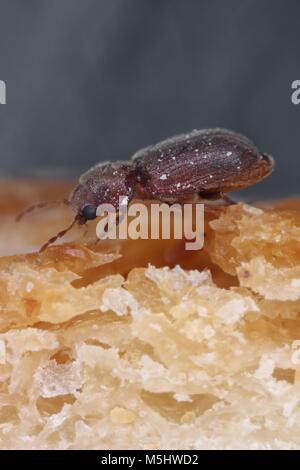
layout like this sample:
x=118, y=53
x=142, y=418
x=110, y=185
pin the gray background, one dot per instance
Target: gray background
x=91, y=80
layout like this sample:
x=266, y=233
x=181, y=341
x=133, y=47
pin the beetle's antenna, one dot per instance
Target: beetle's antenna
x=59, y=235
x=41, y=205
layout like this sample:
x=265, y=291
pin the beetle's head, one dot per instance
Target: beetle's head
x=102, y=184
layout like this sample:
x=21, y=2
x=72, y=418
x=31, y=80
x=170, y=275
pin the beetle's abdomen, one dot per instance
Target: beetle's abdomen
x=213, y=160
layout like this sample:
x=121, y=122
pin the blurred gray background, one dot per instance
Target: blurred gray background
x=92, y=80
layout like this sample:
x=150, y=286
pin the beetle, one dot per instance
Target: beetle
x=205, y=164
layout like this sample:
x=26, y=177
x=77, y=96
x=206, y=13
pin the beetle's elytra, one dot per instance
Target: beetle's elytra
x=205, y=163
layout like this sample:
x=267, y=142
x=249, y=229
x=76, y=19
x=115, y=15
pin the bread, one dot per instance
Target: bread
x=143, y=345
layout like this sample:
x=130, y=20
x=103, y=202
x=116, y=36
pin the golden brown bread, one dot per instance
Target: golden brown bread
x=140, y=344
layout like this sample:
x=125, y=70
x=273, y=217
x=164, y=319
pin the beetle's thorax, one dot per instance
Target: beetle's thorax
x=104, y=184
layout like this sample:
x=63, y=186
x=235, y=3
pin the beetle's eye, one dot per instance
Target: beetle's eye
x=89, y=212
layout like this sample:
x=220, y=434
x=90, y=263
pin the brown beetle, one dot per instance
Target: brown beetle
x=205, y=163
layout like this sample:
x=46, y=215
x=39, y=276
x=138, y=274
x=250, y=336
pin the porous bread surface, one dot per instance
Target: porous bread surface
x=143, y=345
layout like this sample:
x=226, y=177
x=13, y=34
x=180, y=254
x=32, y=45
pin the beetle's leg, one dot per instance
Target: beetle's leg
x=217, y=196
x=211, y=202
x=119, y=220
x=86, y=229
x=41, y=205
x=227, y=199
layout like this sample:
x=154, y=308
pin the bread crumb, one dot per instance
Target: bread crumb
x=2, y=352
x=120, y=415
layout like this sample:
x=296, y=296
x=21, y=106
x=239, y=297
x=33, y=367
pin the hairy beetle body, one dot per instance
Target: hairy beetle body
x=205, y=164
